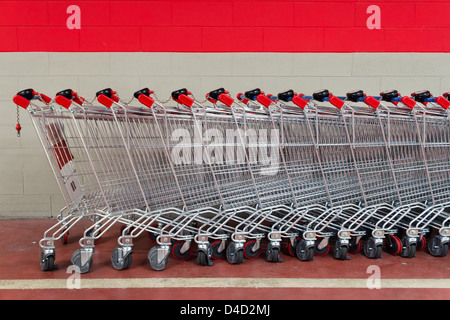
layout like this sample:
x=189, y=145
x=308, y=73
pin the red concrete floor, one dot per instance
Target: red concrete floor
x=20, y=261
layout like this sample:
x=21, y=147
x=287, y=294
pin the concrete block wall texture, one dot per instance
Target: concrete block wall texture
x=202, y=45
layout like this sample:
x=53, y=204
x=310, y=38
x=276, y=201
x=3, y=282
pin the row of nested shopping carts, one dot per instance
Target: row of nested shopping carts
x=229, y=176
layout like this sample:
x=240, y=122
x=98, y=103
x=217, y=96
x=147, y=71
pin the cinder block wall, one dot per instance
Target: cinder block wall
x=27, y=185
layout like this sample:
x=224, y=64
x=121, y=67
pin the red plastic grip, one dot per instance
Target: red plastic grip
x=104, y=100
x=146, y=100
x=335, y=101
x=299, y=101
x=264, y=100
x=407, y=101
x=21, y=101
x=444, y=103
x=226, y=99
x=46, y=99
x=371, y=101
x=63, y=101
x=184, y=99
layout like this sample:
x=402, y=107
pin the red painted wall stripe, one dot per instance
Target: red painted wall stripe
x=225, y=26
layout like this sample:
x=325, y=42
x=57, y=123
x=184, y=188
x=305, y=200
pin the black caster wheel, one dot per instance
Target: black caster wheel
x=393, y=245
x=273, y=253
x=156, y=263
x=436, y=247
x=47, y=262
x=304, y=252
x=121, y=259
x=408, y=248
x=340, y=251
x=234, y=254
x=372, y=250
x=249, y=253
x=218, y=250
x=204, y=256
x=83, y=266
x=177, y=249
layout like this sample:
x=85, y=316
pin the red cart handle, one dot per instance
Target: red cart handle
x=407, y=101
x=264, y=100
x=299, y=101
x=226, y=99
x=146, y=100
x=104, y=100
x=371, y=101
x=184, y=99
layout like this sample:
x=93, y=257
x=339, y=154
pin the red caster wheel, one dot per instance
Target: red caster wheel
x=393, y=245
x=249, y=251
x=180, y=252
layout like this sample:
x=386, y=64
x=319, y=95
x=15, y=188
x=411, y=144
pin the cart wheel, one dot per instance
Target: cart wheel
x=371, y=249
x=291, y=247
x=48, y=262
x=304, y=252
x=65, y=238
x=273, y=253
x=176, y=251
x=340, y=251
x=90, y=234
x=216, y=254
x=421, y=244
x=234, y=255
x=76, y=260
x=436, y=247
x=123, y=263
x=248, y=252
x=152, y=257
x=393, y=245
x=321, y=252
x=240, y=256
x=354, y=246
x=203, y=257
x=408, y=249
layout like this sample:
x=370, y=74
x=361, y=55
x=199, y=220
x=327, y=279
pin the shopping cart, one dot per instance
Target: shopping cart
x=230, y=173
